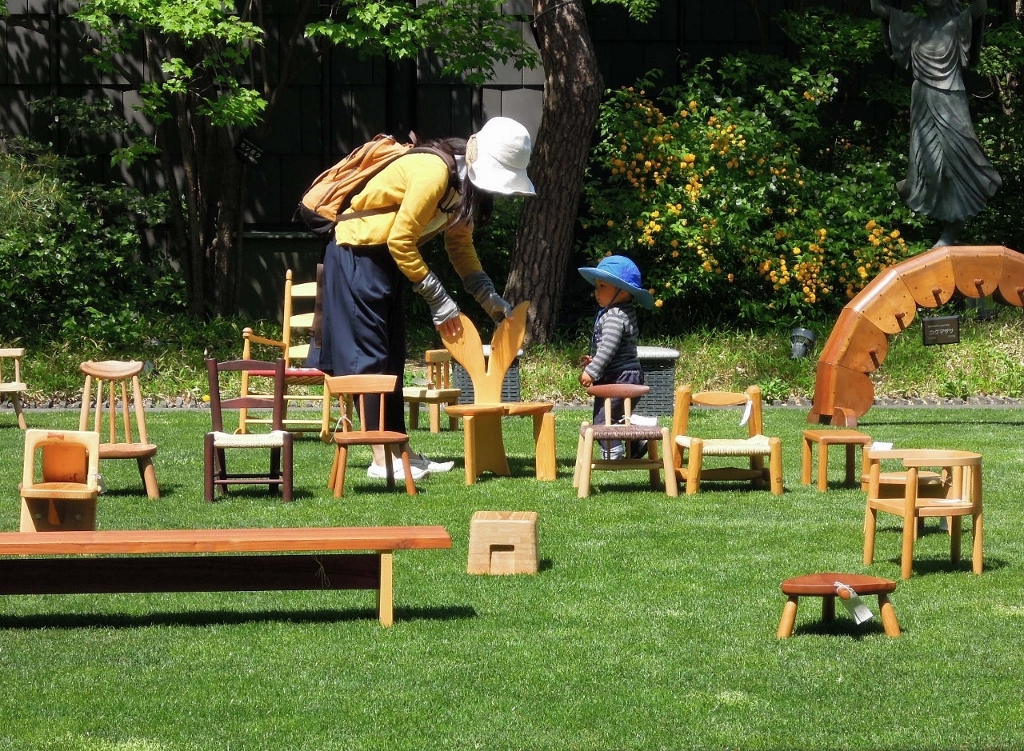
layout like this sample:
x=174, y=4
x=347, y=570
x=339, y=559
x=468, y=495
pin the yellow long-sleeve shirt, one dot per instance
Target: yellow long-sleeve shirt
x=416, y=185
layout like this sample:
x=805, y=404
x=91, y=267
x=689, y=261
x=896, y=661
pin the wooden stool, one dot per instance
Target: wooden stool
x=503, y=542
x=825, y=438
x=824, y=586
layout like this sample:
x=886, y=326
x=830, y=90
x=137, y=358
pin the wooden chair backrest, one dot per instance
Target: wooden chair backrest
x=686, y=398
x=215, y=371
x=488, y=374
x=352, y=391
x=299, y=319
x=112, y=425
x=439, y=368
x=65, y=456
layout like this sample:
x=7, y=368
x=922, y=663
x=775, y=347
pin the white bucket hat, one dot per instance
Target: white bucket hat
x=497, y=156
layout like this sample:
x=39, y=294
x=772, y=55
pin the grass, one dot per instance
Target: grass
x=988, y=361
x=650, y=626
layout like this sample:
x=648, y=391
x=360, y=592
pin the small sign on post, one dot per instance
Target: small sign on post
x=940, y=330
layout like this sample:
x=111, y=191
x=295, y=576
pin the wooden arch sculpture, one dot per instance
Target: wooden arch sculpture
x=859, y=341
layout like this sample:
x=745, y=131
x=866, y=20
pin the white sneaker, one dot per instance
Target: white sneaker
x=426, y=464
x=378, y=472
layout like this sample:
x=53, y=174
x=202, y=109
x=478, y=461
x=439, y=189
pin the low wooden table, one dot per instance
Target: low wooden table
x=825, y=438
x=824, y=586
x=485, y=447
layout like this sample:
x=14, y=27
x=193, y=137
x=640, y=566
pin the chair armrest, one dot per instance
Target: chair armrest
x=250, y=336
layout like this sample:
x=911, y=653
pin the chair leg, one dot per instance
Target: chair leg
x=414, y=415
x=275, y=470
x=334, y=469
x=286, y=469
x=652, y=454
x=208, y=460
x=693, y=467
x=579, y=458
x=148, y=474
x=340, y=459
x=453, y=421
x=775, y=465
x=976, y=560
x=410, y=484
x=16, y=401
x=870, y=520
x=587, y=464
x=671, y=486
x=907, y=553
x=434, y=409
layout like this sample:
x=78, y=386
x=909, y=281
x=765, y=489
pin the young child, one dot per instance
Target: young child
x=613, y=357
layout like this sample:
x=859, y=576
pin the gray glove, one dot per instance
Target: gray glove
x=442, y=306
x=481, y=287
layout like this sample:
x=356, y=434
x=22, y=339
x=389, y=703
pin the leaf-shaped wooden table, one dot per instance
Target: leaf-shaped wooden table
x=481, y=421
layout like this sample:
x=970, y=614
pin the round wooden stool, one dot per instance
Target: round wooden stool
x=824, y=586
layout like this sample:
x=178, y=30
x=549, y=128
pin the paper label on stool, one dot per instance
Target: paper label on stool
x=854, y=604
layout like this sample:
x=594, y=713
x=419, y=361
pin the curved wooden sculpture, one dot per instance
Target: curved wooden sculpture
x=859, y=341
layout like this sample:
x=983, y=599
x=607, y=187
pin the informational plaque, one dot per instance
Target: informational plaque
x=940, y=330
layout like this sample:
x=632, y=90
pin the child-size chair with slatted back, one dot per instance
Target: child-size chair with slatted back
x=657, y=439
x=356, y=394
x=960, y=496
x=438, y=391
x=218, y=441
x=299, y=322
x=10, y=379
x=691, y=451
x=122, y=431
x=60, y=480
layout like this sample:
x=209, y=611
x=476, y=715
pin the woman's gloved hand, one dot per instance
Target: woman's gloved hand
x=442, y=306
x=480, y=286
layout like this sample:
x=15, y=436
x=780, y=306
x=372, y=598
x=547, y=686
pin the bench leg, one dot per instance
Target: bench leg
x=805, y=461
x=386, y=593
x=822, y=467
x=544, y=442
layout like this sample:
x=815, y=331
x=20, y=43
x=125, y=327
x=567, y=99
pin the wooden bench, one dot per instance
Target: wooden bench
x=200, y=560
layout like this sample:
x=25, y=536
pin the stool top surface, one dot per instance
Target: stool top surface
x=824, y=584
x=835, y=435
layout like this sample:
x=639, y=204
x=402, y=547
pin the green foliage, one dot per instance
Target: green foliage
x=736, y=200
x=403, y=30
x=72, y=263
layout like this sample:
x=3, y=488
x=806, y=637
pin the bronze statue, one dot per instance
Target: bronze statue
x=948, y=178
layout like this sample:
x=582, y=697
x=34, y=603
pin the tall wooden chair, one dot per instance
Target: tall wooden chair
x=299, y=320
x=690, y=451
x=216, y=443
x=352, y=391
x=122, y=432
x=10, y=379
x=657, y=439
x=59, y=480
x=437, y=392
x=961, y=476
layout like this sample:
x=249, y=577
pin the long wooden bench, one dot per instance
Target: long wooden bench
x=200, y=560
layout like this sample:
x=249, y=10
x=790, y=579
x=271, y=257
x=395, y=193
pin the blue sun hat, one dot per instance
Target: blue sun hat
x=620, y=272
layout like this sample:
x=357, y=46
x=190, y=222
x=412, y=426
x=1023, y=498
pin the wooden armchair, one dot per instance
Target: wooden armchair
x=690, y=450
x=298, y=322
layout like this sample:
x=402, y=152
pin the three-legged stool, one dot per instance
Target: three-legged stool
x=824, y=586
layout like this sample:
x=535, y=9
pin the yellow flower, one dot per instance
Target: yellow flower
x=658, y=303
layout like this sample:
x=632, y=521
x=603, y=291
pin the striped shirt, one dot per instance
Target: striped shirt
x=613, y=345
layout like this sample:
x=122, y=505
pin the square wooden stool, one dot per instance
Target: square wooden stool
x=503, y=542
x=825, y=438
x=824, y=586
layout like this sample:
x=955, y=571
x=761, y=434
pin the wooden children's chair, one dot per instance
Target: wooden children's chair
x=436, y=393
x=10, y=382
x=60, y=480
x=657, y=439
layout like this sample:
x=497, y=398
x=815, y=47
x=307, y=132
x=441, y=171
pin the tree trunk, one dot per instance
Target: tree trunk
x=572, y=97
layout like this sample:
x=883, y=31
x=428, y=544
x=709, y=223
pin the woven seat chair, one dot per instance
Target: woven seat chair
x=690, y=450
x=657, y=439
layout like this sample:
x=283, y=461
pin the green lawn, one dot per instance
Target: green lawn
x=650, y=626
